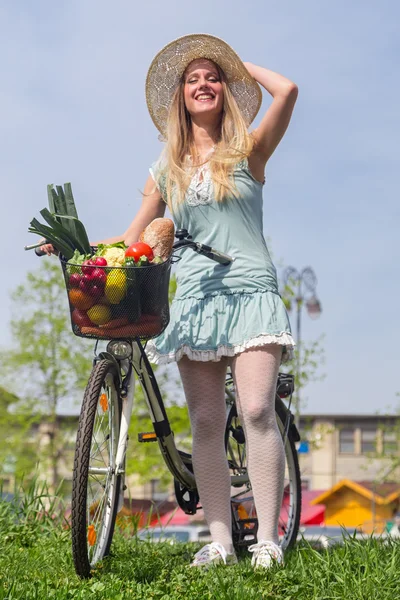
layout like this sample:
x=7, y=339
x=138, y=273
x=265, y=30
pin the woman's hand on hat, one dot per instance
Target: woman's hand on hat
x=250, y=67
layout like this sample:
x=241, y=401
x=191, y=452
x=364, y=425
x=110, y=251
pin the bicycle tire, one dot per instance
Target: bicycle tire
x=288, y=525
x=93, y=518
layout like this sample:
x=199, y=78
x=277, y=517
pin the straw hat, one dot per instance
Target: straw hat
x=170, y=63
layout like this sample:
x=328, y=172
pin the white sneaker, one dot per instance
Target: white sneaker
x=212, y=554
x=266, y=554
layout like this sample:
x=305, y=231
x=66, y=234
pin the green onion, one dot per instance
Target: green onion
x=64, y=230
x=81, y=234
x=62, y=204
x=51, y=237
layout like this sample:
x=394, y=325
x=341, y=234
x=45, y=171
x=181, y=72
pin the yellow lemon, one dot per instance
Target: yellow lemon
x=99, y=314
x=115, y=289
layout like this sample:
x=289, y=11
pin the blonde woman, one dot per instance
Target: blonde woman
x=202, y=99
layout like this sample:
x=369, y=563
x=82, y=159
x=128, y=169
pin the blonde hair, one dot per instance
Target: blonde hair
x=234, y=144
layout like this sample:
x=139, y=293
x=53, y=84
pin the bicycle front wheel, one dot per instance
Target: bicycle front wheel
x=95, y=483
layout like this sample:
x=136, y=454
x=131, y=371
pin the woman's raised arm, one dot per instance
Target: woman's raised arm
x=276, y=120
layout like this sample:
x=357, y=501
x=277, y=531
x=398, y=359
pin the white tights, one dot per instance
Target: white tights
x=255, y=373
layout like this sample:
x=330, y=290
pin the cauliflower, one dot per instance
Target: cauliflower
x=115, y=257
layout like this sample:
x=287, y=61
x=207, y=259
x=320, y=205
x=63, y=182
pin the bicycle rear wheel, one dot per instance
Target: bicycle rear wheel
x=95, y=483
x=244, y=517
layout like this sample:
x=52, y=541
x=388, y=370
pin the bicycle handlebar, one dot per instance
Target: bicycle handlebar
x=184, y=241
x=36, y=247
x=216, y=255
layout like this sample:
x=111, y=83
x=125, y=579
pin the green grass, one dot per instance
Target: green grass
x=36, y=563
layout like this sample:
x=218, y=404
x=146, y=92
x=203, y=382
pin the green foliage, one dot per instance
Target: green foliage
x=49, y=358
x=312, y=356
x=46, y=367
x=36, y=562
x=31, y=512
x=17, y=448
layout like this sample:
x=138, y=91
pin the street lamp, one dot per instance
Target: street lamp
x=304, y=284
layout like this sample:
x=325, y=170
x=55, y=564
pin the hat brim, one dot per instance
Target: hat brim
x=168, y=66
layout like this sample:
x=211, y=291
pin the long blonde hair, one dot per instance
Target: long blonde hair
x=234, y=144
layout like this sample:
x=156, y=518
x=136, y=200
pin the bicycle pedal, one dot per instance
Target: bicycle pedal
x=149, y=436
x=245, y=531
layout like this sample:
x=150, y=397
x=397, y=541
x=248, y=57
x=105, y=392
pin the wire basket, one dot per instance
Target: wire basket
x=118, y=302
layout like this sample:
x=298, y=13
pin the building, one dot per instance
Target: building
x=353, y=447
x=359, y=448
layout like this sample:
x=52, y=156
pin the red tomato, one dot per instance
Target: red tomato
x=139, y=249
x=80, y=318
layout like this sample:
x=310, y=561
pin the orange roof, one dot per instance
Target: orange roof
x=365, y=489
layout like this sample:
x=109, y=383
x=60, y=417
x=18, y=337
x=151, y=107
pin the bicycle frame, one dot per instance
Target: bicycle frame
x=176, y=463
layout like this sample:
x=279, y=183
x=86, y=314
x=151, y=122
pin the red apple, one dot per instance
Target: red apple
x=87, y=266
x=99, y=276
x=96, y=291
x=75, y=280
x=100, y=261
x=85, y=283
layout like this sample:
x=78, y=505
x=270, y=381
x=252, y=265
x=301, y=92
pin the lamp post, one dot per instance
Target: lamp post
x=304, y=284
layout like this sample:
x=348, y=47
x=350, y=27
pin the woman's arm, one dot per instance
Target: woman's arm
x=276, y=120
x=151, y=208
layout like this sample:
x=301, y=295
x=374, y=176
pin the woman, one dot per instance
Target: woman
x=202, y=98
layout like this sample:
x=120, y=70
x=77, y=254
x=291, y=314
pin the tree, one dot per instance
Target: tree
x=17, y=449
x=47, y=366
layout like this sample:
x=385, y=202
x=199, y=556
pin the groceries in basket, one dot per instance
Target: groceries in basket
x=114, y=290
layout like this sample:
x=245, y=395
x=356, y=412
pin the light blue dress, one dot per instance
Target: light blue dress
x=222, y=310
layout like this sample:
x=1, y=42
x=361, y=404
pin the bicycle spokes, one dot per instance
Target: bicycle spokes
x=102, y=466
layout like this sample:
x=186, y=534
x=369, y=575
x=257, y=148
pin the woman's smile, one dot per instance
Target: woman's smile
x=204, y=97
x=203, y=87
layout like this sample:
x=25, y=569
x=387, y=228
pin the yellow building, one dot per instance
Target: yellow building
x=362, y=504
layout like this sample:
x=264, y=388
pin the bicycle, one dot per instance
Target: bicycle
x=102, y=437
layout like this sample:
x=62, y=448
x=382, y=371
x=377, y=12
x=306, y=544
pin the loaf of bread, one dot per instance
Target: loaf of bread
x=159, y=235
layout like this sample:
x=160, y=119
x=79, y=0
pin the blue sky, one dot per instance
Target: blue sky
x=73, y=108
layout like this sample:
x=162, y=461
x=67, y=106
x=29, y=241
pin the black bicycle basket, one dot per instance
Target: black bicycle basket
x=118, y=302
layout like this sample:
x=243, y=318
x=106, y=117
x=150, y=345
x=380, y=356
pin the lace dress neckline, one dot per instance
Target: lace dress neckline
x=200, y=189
